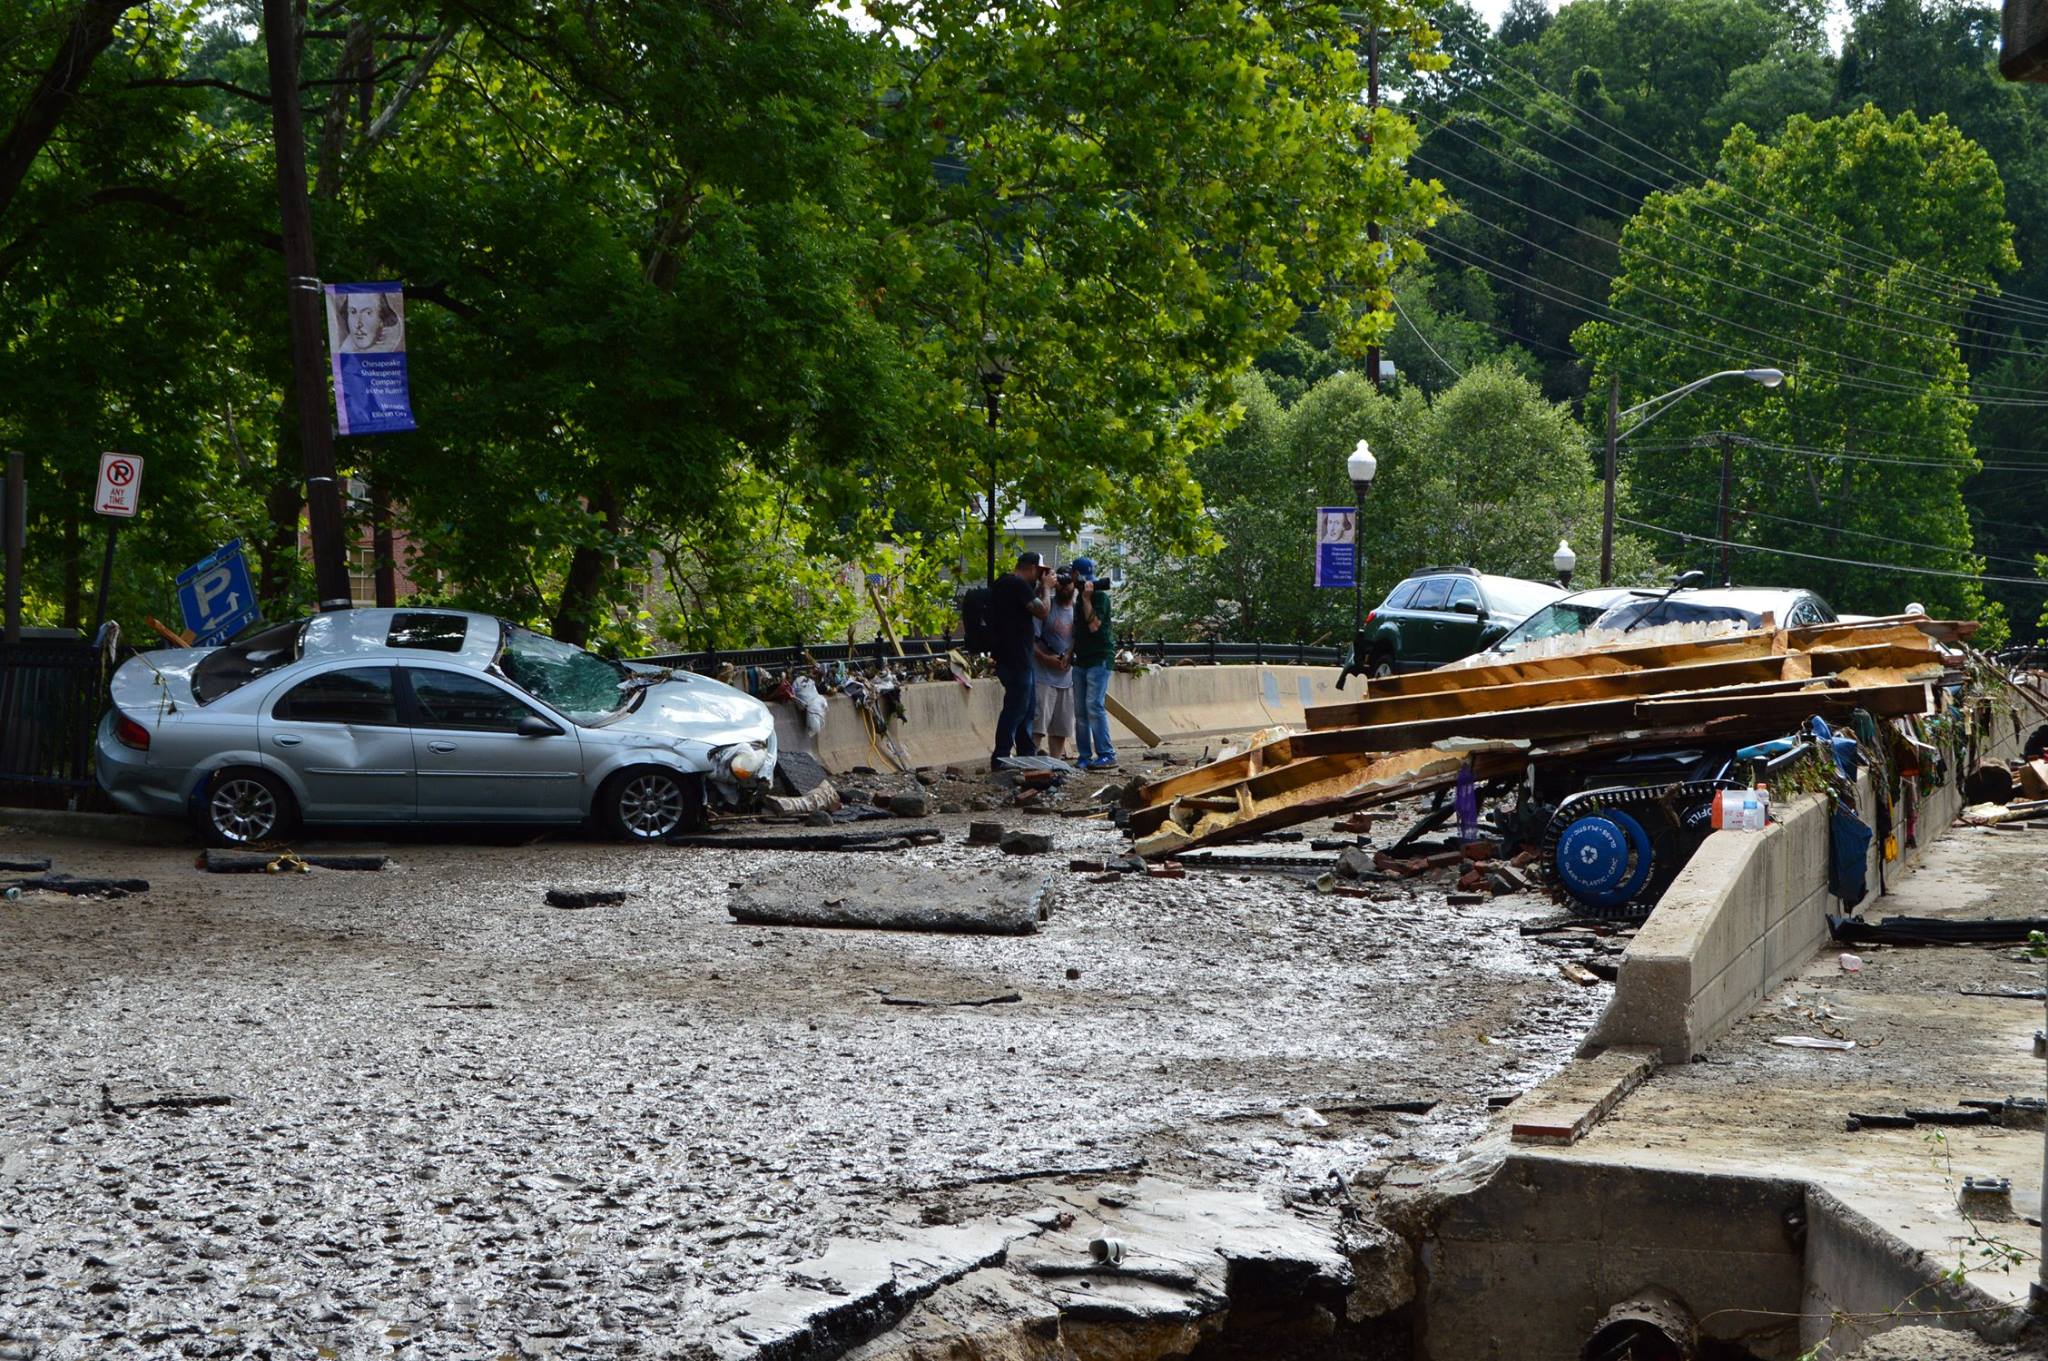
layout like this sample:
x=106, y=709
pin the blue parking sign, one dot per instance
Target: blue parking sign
x=215, y=595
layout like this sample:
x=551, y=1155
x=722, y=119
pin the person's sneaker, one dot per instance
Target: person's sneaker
x=995, y=763
x=1104, y=763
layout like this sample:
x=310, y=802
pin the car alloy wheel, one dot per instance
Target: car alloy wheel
x=650, y=805
x=243, y=810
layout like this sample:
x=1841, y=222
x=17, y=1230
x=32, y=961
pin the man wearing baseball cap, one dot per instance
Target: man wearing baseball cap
x=1016, y=604
x=1094, y=651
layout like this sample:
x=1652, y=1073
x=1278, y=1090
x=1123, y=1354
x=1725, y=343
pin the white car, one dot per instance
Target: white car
x=420, y=715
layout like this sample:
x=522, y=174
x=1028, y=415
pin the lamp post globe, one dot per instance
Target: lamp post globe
x=1565, y=561
x=1360, y=468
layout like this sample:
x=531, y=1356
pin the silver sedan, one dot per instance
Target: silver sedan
x=389, y=716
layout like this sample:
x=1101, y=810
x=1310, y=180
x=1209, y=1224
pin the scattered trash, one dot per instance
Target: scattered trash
x=1109, y=1250
x=23, y=866
x=1935, y=930
x=1851, y=963
x=1859, y=1120
x=83, y=888
x=984, y=833
x=229, y=862
x=889, y=1001
x=2011, y=994
x=893, y=839
x=172, y=1103
x=576, y=899
x=1302, y=1117
x=1811, y=1042
x=1579, y=974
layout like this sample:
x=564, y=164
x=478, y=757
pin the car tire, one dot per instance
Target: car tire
x=648, y=803
x=1382, y=665
x=245, y=807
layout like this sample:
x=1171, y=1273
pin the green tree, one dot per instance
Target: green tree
x=1115, y=207
x=1874, y=360
x=1486, y=473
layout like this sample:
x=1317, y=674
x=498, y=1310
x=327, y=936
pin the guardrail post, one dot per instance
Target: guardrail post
x=1259, y=651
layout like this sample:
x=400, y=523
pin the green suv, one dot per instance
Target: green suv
x=1440, y=614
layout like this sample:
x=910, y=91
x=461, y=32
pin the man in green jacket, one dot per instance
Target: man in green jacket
x=1094, y=650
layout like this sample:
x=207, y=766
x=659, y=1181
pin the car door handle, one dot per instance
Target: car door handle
x=285, y=739
x=440, y=746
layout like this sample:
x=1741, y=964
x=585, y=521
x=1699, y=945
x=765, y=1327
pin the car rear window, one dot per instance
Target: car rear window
x=1401, y=596
x=1432, y=594
x=427, y=632
x=227, y=669
x=1517, y=599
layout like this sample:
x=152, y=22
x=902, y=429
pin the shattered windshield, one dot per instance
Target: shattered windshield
x=576, y=684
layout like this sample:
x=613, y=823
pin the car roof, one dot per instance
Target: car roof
x=343, y=633
x=1741, y=597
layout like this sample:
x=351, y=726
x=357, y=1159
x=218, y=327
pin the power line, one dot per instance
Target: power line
x=1849, y=455
x=2033, y=307
x=1639, y=490
x=1721, y=353
x=1822, y=557
x=1723, y=255
x=1424, y=339
x=1754, y=330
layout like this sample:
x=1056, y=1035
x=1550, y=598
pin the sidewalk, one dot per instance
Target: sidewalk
x=1757, y=1109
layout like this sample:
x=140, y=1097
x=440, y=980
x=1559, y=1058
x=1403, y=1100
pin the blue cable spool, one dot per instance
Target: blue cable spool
x=1605, y=858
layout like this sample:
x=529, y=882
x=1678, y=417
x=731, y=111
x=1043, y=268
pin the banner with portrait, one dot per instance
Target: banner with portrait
x=366, y=343
x=1337, y=546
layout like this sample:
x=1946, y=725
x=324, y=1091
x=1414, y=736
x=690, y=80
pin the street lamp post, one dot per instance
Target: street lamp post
x=1565, y=561
x=1650, y=411
x=1360, y=468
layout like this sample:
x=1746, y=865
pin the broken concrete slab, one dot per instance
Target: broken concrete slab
x=1005, y=901
x=578, y=898
x=1026, y=843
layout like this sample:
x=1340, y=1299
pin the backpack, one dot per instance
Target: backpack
x=977, y=619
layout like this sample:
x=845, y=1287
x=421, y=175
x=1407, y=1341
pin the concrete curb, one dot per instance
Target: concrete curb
x=122, y=827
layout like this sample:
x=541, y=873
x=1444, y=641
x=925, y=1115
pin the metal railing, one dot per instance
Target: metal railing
x=52, y=693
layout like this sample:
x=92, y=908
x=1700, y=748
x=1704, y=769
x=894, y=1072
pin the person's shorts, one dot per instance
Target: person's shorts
x=1055, y=717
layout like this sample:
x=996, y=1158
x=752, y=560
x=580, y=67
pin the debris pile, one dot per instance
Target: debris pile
x=1600, y=767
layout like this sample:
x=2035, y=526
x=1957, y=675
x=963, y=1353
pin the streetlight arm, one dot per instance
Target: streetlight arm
x=1657, y=406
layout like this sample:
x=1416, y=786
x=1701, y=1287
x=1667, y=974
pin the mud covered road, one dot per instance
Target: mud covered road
x=461, y=1123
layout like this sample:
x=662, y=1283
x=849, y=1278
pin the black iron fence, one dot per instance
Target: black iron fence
x=52, y=693
x=927, y=649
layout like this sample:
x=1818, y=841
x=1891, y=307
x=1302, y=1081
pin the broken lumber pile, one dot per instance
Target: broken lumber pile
x=1412, y=734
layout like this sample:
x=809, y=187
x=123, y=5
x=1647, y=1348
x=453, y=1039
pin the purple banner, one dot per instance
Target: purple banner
x=1337, y=546
x=366, y=343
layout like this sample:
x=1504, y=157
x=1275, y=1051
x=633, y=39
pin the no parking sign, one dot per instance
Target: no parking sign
x=120, y=489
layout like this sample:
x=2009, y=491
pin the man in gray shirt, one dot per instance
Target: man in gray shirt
x=1052, y=665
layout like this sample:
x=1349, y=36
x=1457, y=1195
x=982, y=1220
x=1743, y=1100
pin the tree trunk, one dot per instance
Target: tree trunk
x=583, y=587
x=281, y=505
x=90, y=30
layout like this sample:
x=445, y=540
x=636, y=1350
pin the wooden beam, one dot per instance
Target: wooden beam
x=1546, y=721
x=1602, y=660
x=1565, y=690
x=1880, y=701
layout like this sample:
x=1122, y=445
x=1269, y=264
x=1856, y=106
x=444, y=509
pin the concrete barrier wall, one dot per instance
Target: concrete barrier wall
x=1746, y=914
x=945, y=722
x=1522, y=1268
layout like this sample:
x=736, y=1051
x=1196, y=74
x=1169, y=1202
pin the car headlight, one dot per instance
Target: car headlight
x=744, y=762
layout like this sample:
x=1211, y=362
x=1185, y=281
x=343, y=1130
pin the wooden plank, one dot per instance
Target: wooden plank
x=1881, y=701
x=1565, y=690
x=1829, y=660
x=1546, y=721
x=1603, y=660
x=1129, y=720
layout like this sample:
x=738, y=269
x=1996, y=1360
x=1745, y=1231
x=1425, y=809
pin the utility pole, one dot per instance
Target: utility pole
x=1727, y=478
x=1607, y=513
x=303, y=298
x=15, y=530
x=1372, y=229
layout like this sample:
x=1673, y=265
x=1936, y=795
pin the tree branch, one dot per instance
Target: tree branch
x=197, y=82
x=386, y=120
x=91, y=29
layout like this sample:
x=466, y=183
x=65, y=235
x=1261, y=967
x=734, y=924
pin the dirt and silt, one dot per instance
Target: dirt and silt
x=458, y=1122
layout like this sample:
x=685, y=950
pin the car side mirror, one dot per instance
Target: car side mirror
x=533, y=725
x=1468, y=607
